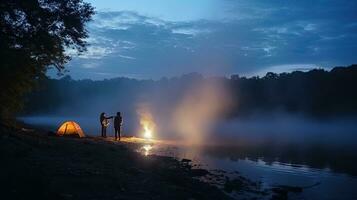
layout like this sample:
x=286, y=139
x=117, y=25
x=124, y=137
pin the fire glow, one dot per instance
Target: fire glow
x=147, y=149
x=147, y=132
x=147, y=123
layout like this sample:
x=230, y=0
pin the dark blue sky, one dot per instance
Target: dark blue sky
x=156, y=38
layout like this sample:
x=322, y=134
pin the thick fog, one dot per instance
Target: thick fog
x=172, y=111
x=282, y=128
x=195, y=111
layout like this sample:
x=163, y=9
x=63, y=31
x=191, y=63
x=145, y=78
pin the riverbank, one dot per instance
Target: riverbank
x=37, y=166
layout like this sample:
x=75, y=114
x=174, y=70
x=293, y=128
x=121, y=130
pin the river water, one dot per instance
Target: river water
x=328, y=184
x=319, y=154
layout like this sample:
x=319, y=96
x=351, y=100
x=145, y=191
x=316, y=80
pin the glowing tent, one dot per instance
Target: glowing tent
x=70, y=128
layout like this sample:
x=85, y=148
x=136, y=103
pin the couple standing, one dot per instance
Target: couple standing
x=104, y=122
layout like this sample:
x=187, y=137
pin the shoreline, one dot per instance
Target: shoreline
x=37, y=165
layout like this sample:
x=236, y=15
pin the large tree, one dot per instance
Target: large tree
x=34, y=36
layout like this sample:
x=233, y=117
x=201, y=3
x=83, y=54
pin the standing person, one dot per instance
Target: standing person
x=104, y=122
x=118, y=120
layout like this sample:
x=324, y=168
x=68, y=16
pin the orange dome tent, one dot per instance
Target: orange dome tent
x=70, y=128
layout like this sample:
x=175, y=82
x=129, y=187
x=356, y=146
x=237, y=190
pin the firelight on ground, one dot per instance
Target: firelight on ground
x=147, y=149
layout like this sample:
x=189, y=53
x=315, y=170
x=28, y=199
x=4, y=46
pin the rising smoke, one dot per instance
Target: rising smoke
x=200, y=108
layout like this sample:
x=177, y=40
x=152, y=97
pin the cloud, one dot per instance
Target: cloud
x=122, y=20
x=249, y=37
x=90, y=65
x=96, y=52
x=189, y=31
x=126, y=57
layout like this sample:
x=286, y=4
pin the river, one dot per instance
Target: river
x=319, y=154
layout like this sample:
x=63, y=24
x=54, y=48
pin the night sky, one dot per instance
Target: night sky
x=150, y=39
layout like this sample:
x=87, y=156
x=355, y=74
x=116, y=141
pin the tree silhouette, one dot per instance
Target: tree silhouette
x=317, y=93
x=34, y=36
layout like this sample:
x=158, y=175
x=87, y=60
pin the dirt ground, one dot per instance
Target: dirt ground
x=37, y=166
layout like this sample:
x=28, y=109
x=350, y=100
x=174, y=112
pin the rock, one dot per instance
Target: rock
x=27, y=130
x=286, y=189
x=184, y=160
x=66, y=196
x=236, y=185
x=134, y=170
x=279, y=197
x=280, y=191
x=51, y=133
x=294, y=189
x=198, y=172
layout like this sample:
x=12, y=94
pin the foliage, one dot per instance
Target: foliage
x=34, y=36
x=317, y=92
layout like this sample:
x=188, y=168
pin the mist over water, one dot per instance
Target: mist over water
x=273, y=147
x=193, y=111
x=288, y=128
x=258, y=130
x=174, y=110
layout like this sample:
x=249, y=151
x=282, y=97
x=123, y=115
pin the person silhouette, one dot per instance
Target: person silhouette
x=118, y=120
x=104, y=122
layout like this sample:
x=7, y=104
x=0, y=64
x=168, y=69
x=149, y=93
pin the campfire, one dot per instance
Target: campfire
x=147, y=132
x=148, y=127
x=147, y=124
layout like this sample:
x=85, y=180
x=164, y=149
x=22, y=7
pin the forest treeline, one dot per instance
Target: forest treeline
x=316, y=92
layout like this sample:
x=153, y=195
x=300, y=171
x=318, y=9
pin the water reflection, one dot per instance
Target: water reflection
x=340, y=159
x=290, y=158
x=267, y=168
x=146, y=149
